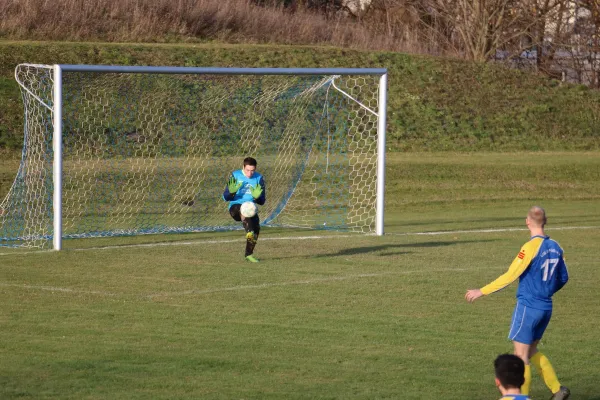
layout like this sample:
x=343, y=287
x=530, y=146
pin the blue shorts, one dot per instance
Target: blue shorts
x=528, y=324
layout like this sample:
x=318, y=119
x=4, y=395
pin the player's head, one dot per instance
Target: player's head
x=536, y=217
x=249, y=166
x=510, y=371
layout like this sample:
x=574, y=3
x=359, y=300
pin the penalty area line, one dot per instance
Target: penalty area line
x=232, y=288
x=214, y=241
x=18, y=253
x=187, y=243
x=55, y=289
x=302, y=282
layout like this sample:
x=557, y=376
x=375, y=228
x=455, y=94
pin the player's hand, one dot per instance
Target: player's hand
x=472, y=295
x=256, y=191
x=233, y=185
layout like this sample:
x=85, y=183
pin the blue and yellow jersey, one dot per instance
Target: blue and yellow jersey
x=243, y=194
x=541, y=267
x=515, y=397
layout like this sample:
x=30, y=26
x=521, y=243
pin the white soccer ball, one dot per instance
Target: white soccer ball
x=248, y=209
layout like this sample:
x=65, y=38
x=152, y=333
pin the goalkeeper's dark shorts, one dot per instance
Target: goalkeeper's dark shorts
x=235, y=213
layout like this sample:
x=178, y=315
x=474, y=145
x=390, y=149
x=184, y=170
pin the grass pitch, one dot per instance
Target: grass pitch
x=324, y=315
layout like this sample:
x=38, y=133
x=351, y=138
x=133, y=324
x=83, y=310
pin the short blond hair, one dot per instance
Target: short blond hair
x=537, y=215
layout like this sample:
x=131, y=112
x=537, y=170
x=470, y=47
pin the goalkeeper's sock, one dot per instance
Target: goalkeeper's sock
x=251, y=237
x=546, y=371
x=527, y=384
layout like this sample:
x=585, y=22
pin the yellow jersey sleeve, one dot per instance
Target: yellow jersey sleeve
x=518, y=266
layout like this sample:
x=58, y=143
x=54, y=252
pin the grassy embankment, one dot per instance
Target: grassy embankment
x=435, y=104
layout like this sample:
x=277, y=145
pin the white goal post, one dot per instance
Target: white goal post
x=128, y=150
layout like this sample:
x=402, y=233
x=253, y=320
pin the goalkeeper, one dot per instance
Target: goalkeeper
x=246, y=185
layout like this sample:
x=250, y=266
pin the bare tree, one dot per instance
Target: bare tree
x=411, y=23
x=543, y=27
x=479, y=24
x=481, y=27
x=589, y=27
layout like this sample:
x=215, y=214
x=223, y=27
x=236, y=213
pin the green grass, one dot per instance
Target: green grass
x=439, y=191
x=344, y=316
x=434, y=104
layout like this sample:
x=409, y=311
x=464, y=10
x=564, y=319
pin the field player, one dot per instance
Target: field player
x=510, y=374
x=246, y=185
x=541, y=267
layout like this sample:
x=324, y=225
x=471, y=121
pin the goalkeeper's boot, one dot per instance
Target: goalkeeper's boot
x=251, y=258
x=251, y=237
x=562, y=394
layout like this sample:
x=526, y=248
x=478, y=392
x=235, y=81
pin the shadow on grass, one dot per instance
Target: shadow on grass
x=372, y=249
x=388, y=248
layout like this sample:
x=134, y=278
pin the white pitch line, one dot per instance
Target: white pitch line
x=26, y=252
x=55, y=289
x=212, y=241
x=560, y=228
x=233, y=288
x=303, y=282
x=314, y=237
x=195, y=242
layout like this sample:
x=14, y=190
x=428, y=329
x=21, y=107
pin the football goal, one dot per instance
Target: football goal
x=116, y=150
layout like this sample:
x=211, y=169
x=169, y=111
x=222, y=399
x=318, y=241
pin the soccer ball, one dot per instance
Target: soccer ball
x=248, y=209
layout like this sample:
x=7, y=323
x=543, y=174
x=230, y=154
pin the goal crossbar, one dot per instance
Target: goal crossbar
x=220, y=70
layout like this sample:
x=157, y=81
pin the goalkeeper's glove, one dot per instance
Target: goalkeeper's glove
x=233, y=185
x=256, y=191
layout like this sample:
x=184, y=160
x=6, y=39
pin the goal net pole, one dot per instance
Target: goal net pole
x=57, y=172
x=381, y=123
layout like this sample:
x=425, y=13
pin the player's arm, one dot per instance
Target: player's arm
x=518, y=266
x=231, y=188
x=563, y=275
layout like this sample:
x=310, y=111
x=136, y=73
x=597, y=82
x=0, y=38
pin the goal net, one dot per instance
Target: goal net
x=112, y=151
